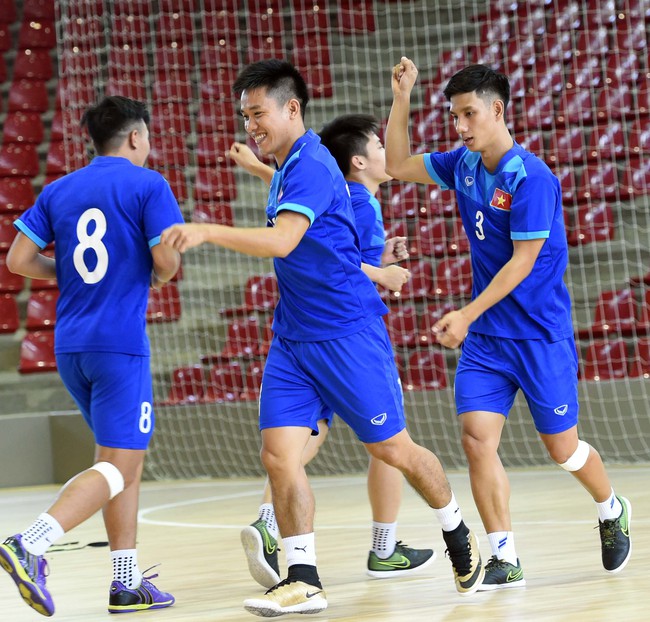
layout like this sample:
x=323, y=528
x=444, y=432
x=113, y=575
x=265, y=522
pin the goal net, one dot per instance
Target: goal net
x=579, y=77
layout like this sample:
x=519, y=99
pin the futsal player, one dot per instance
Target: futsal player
x=517, y=332
x=353, y=142
x=327, y=327
x=106, y=220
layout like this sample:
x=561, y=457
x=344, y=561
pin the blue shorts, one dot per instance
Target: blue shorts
x=354, y=377
x=114, y=394
x=492, y=369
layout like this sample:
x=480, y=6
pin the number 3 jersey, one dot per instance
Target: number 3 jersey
x=521, y=200
x=103, y=218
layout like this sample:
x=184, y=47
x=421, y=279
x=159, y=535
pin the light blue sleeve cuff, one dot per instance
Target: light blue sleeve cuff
x=432, y=172
x=154, y=241
x=529, y=235
x=22, y=227
x=301, y=209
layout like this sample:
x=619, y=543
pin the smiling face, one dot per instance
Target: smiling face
x=478, y=120
x=273, y=126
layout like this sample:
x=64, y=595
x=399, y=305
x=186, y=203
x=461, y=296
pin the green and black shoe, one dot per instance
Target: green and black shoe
x=261, y=550
x=403, y=561
x=615, y=540
x=500, y=575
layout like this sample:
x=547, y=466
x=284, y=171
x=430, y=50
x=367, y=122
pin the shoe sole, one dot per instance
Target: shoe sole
x=257, y=565
x=629, y=522
x=501, y=586
x=394, y=574
x=262, y=608
x=135, y=608
x=29, y=591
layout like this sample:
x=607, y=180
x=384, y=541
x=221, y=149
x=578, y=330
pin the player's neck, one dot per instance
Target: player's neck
x=492, y=155
x=371, y=185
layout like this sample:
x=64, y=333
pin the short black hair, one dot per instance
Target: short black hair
x=480, y=79
x=347, y=136
x=110, y=120
x=280, y=78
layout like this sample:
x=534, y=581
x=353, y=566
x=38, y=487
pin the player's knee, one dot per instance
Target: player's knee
x=112, y=475
x=576, y=460
x=474, y=446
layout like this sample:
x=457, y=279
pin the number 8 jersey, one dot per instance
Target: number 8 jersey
x=520, y=200
x=103, y=219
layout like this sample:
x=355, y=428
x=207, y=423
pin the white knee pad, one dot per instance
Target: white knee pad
x=578, y=459
x=113, y=477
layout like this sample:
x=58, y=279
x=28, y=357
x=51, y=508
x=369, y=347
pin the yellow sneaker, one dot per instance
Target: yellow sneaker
x=288, y=597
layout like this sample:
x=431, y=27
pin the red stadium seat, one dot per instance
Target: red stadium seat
x=557, y=46
x=9, y=319
x=419, y=285
x=242, y=341
x=220, y=26
x=584, y=73
x=33, y=65
x=427, y=371
x=636, y=180
x=10, y=283
x=36, y=34
x=170, y=118
x=428, y=320
x=252, y=381
x=537, y=113
x=215, y=64
x=23, y=127
x=564, y=15
x=177, y=182
x=219, y=213
x=521, y=53
x=356, y=16
x=594, y=223
x=38, y=9
x=639, y=138
x=431, y=126
x=599, y=181
x=530, y=21
x=168, y=151
x=643, y=323
x=129, y=33
x=215, y=184
x=605, y=360
x=218, y=117
x=267, y=337
x=16, y=194
x=639, y=366
x=453, y=277
x=187, y=386
x=164, y=304
x=592, y=42
x=403, y=201
x=615, y=313
x=28, y=95
x=497, y=29
x=260, y=295
x=458, y=243
x=41, y=309
x=7, y=11
x=307, y=18
x=37, y=352
x=225, y=382
x=575, y=108
x=3, y=64
x=430, y=239
x=607, y=142
x=176, y=28
x=269, y=46
x=438, y=202
x=18, y=160
x=565, y=173
x=632, y=35
x=319, y=80
x=65, y=157
x=212, y=149
x=398, y=228
x=622, y=68
x=615, y=103
x=534, y=142
x=311, y=50
x=567, y=145
x=603, y=13
x=172, y=85
x=401, y=325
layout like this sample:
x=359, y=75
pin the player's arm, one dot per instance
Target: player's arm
x=400, y=164
x=166, y=262
x=277, y=241
x=452, y=328
x=243, y=156
x=392, y=278
x=25, y=258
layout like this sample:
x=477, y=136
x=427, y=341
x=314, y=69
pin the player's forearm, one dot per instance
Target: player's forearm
x=24, y=258
x=372, y=272
x=255, y=241
x=398, y=148
x=264, y=172
x=166, y=262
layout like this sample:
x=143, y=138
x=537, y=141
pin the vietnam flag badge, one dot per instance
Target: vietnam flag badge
x=501, y=200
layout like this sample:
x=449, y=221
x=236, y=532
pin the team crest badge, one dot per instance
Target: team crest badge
x=501, y=200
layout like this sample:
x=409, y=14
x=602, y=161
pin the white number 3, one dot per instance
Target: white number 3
x=92, y=241
x=480, y=234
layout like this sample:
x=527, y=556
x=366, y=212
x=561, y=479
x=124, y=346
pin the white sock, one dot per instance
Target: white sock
x=449, y=516
x=125, y=568
x=609, y=509
x=300, y=549
x=383, y=539
x=43, y=532
x=267, y=514
x=502, y=544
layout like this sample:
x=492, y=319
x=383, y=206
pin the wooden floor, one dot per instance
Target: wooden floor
x=192, y=528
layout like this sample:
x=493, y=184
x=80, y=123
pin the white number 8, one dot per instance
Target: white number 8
x=145, y=417
x=93, y=242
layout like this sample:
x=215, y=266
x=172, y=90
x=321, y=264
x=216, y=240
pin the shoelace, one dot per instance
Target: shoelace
x=279, y=585
x=608, y=530
x=461, y=559
x=495, y=564
x=151, y=576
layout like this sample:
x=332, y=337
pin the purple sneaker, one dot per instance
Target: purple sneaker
x=28, y=573
x=123, y=600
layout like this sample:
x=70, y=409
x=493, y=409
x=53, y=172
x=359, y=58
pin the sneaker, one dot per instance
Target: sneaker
x=615, y=540
x=261, y=550
x=403, y=561
x=465, y=557
x=28, y=572
x=288, y=597
x=121, y=599
x=500, y=574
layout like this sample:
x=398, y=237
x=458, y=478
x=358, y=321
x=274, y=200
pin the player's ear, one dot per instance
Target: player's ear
x=498, y=108
x=358, y=162
x=294, y=108
x=133, y=139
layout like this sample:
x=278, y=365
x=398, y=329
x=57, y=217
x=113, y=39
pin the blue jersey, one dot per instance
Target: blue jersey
x=521, y=200
x=370, y=223
x=103, y=218
x=324, y=294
